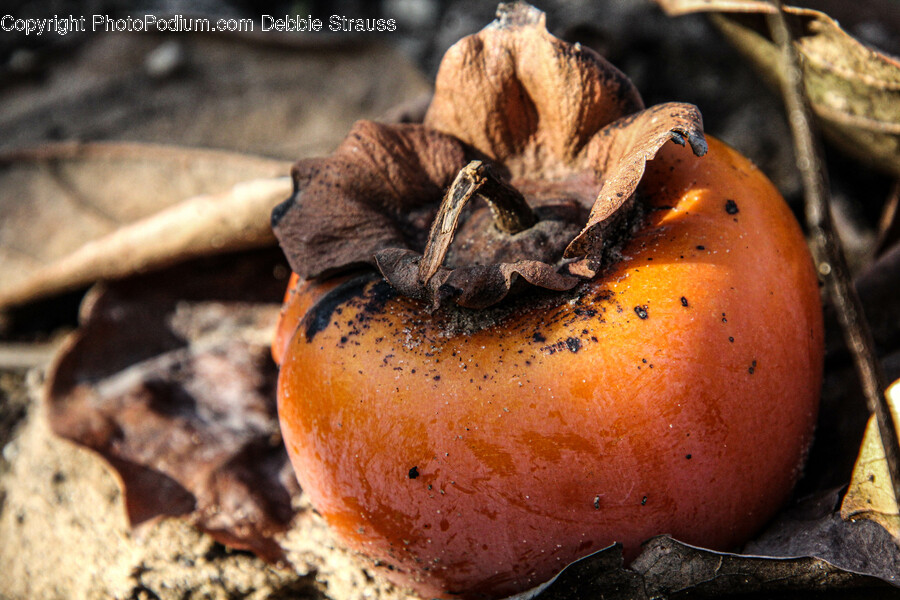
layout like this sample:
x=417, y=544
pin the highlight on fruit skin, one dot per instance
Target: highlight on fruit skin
x=644, y=358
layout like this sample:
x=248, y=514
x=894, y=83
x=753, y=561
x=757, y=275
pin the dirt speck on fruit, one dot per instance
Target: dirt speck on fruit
x=731, y=207
x=573, y=344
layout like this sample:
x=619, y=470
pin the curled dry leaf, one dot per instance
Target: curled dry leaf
x=577, y=164
x=74, y=213
x=854, y=90
x=169, y=378
x=870, y=495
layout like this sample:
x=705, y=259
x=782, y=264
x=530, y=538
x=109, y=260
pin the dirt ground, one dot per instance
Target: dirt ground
x=65, y=535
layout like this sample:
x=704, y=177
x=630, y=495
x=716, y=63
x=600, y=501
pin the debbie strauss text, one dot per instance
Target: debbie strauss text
x=335, y=23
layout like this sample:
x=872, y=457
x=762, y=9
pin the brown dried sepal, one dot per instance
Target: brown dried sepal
x=554, y=122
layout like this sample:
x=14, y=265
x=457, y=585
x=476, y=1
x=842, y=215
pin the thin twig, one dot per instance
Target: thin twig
x=827, y=250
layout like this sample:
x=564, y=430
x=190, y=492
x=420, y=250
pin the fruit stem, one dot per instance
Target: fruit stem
x=509, y=208
x=829, y=256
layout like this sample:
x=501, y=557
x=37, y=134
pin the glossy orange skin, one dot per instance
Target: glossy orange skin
x=532, y=449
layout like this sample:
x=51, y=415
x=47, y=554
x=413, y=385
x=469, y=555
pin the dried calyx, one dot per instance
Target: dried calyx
x=525, y=170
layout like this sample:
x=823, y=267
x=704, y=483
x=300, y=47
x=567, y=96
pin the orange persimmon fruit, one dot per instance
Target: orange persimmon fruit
x=632, y=347
x=676, y=394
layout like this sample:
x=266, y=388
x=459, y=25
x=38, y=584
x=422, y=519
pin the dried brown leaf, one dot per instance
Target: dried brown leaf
x=274, y=95
x=74, y=213
x=854, y=90
x=169, y=378
x=566, y=128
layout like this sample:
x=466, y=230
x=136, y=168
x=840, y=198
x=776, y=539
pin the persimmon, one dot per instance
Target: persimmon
x=656, y=373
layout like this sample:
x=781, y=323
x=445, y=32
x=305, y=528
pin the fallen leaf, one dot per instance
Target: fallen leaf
x=870, y=495
x=169, y=378
x=669, y=568
x=74, y=213
x=274, y=95
x=813, y=527
x=853, y=89
x=875, y=23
